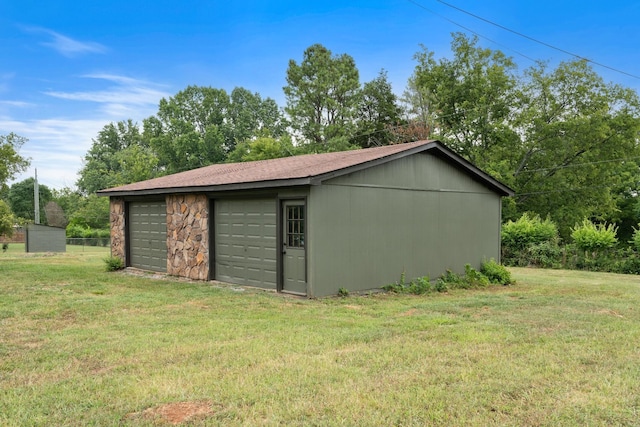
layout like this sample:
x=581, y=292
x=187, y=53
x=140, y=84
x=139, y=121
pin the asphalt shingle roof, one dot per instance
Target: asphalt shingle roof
x=263, y=173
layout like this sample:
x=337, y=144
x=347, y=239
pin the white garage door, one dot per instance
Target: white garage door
x=148, y=235
x=245, y=242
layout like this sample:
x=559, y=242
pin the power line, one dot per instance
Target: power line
x=562, y=190
x=566, y=52
x=622, y=159
x=470, y=30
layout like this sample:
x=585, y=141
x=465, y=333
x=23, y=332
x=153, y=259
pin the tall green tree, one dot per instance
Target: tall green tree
x=322, y=94
x=189, y=129
x=7, y=220
x=565, y=140
x=21, y=199
x=251, y=117
x=579, y=153
x=11, y=162
x=69, y=199
x=378, y=113
x=262, y=149
x=471, y=97
x=416, y=113
x=93, y=212
x=119, y=155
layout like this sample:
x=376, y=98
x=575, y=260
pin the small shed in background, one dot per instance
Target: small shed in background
x=42, y=238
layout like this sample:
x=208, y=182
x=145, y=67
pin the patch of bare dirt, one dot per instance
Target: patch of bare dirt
x=410, y=312
x=610, y=312
x=176, y=413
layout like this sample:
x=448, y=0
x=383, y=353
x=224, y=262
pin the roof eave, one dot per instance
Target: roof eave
x=207, y=188
x=487, y=179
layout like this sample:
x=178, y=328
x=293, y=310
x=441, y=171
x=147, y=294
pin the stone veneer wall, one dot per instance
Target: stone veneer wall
x=188, y=236
x=116, y=212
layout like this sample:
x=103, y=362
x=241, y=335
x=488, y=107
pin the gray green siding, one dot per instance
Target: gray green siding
x=41, y=238
x=417, y=214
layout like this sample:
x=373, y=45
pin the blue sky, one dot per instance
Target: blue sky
x=70, y=67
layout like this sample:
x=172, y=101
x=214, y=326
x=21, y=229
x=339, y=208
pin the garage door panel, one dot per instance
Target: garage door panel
x=148, y=235
x=245, y=243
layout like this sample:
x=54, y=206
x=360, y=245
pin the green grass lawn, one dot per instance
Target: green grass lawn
x=79, y=346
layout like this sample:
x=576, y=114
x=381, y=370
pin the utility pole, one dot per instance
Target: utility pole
x=36, y=199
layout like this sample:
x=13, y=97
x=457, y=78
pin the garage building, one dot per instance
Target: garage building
x=312, y=224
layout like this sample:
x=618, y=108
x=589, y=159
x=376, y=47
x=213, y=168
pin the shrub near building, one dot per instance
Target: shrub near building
x=593, y=247
x=531, y=240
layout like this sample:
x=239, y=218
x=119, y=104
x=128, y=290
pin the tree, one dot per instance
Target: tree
x=7, y=220
x=415, y=102
x=262, y=149
x=566, y=141
x=189, y=129
x=378, y=113
x=470, y=98
x=135, y=163
x=55, y=215
x=200, y=126
x=11, y=163
x=251, y=117
x=119, y=155
x=417, y=115
x=93, y=213
x=579, y=149
x=322, y=95
x=21, y=199
x=68, y=199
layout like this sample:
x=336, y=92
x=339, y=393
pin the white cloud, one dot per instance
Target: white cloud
x=66, y=45
x=123, y=100
x=20, y=104
x=57, y=146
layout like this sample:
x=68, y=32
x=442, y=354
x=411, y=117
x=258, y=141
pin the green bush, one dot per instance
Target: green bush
x=627, y=262
x=528, y=230
x=471, y=279
x=75, y=231
x=590, y=237
x=451, y=277
x=343, y=292
x=474, y=278
x=635, y=239
x=496, y=273
x=418, y=286
x=93, y=236
x=450, y=280
x=530, y=241
x=114, y=263
x=545, y=254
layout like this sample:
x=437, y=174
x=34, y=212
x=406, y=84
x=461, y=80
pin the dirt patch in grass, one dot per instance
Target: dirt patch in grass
x=176, y=413
x=610, y=312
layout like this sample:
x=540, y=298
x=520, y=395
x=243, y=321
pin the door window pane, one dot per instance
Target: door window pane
x=295, y=226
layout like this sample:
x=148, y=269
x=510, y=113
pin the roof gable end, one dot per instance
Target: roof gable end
x=309, y=169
